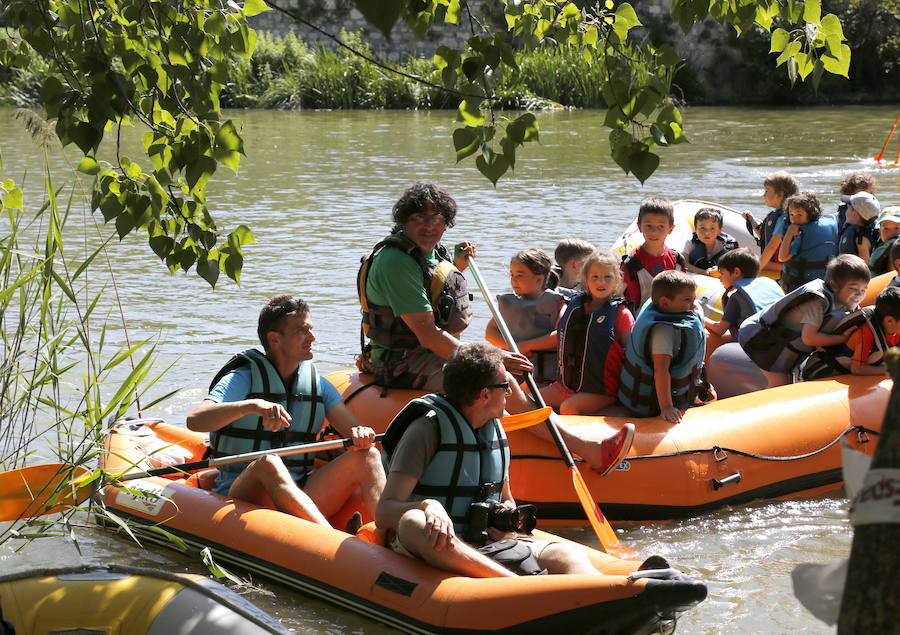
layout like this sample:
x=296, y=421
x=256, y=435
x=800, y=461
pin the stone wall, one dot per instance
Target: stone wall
x=710, y=60
x=403, y=42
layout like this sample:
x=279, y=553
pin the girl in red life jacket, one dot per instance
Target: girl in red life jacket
x=592, y=335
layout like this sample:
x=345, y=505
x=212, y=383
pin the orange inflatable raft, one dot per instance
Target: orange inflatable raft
x=767, y=444
x=367, y=578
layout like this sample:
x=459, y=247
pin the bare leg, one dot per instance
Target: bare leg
x=459, y=558
x=268, y=474
x=331, y=485
x=559, y=557
x=585, y=403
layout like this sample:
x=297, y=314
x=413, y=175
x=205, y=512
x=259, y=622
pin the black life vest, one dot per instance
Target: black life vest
x=851, y=238
x=698, y=257
x=837, y=360
x=771, y=344
x=637, y=271
x=588, y=350
x=444, y=284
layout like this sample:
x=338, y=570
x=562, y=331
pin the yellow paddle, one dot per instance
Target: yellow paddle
x=605, y=534
x=54, y=487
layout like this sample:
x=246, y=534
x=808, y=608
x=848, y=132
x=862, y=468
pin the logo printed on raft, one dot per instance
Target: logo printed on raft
x=144, y=497
x=624, y=466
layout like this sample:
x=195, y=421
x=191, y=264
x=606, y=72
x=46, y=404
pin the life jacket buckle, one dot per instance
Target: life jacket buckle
x=719, y=454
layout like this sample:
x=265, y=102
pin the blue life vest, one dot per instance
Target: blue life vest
x=698, y=257
x=637, y=389
x=528, y=319
x=588, y=350
x=304, y=403
x=776, y=347
x=469, y=466
x=852, y=235
x=813, y=247
x=752, y=295
x=880, y=260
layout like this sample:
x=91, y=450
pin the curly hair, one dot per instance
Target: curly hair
x=421, y=197
x=806, y=201
x=858, y=182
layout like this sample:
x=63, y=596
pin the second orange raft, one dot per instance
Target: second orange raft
x=772, y=443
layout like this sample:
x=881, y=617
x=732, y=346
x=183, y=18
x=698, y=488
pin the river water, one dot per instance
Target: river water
x=316, y=188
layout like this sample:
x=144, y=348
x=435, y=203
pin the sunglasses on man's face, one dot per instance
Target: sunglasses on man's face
x=503, y=384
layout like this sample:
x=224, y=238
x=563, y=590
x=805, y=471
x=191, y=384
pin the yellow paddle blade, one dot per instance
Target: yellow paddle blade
x=605, y=533
x=41, y=489
x=525, y=419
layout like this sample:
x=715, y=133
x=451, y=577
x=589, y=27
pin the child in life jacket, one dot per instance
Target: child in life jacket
x=852, y=184
x=708, y=243
x=779, y=338
x=876, y=330
x=895, y=258
x=531, y=312
x=663, y=373
x=593, y=332
x=656, y=220
x=569, y=256
x=808, y=244
x=859, y=234
x=778, y=188
x=745, y=294
x=888, y=229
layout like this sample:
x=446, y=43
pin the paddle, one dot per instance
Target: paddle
x=880, y=155
x=54, y=487
x=605, y=534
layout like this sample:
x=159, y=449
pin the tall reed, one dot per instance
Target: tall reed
x=60, y=381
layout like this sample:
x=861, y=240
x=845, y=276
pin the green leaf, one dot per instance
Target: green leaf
x=780, y=39
x=381, y=13
x=493, y=167
x=209, y=270
x=88, y=165
x=643, y=164
x=469, y=112
x=254, y=7
x=838, y=65
x=831, y=26
x=466, y=142
x=13, y=199
x=626, y=18
x=228, y=146
x=812, y=11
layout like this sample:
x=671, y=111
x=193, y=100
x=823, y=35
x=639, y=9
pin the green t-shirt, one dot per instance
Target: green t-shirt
x=395, y=280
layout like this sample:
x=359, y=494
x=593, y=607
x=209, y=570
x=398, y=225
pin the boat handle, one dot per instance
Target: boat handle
x=719, y=454
x=862, y=437
x=728, y=480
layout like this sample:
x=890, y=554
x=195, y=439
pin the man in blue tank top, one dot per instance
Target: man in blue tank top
x=460, y=427
x=275, y=399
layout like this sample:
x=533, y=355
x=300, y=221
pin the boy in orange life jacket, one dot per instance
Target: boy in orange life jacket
x=862, y=342
x=656, y=220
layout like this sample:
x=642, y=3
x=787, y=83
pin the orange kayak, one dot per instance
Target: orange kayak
x=360, y=575
x=771, y=443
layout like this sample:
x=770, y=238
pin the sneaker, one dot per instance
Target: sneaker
x=353, y=523
x=614, y=449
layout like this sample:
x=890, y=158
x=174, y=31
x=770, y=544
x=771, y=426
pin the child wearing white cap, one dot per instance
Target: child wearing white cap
x=859, y=235
x=888, y=228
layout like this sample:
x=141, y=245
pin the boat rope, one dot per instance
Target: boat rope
x=720, y=453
